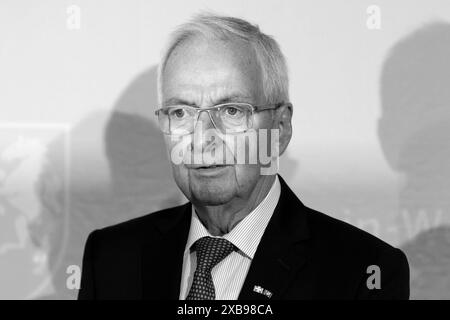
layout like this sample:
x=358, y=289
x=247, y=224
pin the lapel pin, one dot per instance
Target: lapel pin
x=261, y=290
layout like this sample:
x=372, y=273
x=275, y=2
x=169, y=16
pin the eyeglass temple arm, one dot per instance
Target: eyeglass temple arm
x=272, y=106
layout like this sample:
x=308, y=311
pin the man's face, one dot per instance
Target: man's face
x=202, y=74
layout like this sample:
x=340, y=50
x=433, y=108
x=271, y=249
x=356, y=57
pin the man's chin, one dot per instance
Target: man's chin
x=209, y=194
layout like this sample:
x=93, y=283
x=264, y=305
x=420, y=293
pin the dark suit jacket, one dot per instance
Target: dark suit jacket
x=303, y=254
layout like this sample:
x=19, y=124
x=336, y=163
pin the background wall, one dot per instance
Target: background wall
x=79, y=146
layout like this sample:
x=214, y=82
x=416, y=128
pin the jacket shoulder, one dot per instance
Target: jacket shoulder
x=140, y=228
x=339, y=235
x=355, y=254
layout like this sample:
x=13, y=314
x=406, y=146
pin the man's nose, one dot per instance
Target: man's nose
x=204, y=123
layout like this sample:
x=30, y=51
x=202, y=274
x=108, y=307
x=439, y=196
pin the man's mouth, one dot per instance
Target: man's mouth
x=212, y=166
x=209, y=166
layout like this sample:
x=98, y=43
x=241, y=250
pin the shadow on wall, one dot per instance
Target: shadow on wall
x=414, y=131
x=118, y=171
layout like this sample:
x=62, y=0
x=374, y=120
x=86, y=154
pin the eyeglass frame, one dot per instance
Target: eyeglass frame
x=271, y=106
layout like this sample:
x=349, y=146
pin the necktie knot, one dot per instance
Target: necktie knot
x=210, y=251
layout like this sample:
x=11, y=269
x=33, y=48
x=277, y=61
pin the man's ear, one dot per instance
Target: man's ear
x=283, y=123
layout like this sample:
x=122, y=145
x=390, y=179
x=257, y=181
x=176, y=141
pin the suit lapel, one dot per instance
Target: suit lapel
x=282, y=251
x=162, y=258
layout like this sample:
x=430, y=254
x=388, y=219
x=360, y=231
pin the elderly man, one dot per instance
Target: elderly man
x=244, y=234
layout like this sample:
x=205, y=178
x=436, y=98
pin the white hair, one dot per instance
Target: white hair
x=267, y=51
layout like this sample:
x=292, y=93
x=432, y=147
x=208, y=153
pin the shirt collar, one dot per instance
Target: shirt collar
x=247, y=234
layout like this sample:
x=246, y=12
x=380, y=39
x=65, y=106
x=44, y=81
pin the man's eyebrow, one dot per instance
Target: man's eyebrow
x=177, y=101
x=235, y=98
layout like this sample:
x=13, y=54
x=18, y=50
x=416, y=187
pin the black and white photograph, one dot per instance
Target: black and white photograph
x=246, y=151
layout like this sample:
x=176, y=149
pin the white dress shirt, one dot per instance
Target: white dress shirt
x=229, y=274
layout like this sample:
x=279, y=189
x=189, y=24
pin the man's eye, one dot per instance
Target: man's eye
x=177, y=113
x=233, y=111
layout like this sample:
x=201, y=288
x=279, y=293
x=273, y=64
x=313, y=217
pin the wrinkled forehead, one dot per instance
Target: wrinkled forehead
x=206, y=69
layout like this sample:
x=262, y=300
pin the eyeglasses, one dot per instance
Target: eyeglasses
x=227, y=117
